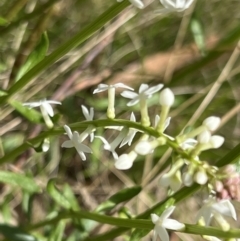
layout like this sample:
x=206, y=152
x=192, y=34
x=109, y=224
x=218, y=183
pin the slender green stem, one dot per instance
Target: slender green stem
x=135, y=223
x=84, y=125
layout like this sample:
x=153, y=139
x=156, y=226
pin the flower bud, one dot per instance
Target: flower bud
x=204, y=137
x=166, y=97
x=212, y=123
x=187, y=179
x=124, y=162
x=144, y=148
x=216, y=141
x=201, y=177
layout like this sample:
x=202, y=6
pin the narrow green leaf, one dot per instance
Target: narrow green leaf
x=138, y=234
x=231, y=157
x=3, y=93
x=57, y=233
x=69, y=195
x=26, y=183
x=198, y=34
x=3, y=21
x=15, y=234
x=76, y=40
x=35, y=56
x=30, y=114
x=57, y=196
x=122, y=196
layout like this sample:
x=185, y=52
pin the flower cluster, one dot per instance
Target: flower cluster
x=187, y=166
x=169, y=5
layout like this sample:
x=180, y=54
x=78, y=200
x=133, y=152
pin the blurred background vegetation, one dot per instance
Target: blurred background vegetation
x=185, y=51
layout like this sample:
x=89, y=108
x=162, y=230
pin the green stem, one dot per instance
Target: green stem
x=135, y=223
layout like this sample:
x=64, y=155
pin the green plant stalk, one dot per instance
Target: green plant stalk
x=80, y=126
x=66, y=47
x=9, y=157
x=135, y=223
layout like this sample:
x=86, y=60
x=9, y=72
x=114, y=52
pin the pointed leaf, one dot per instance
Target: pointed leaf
x=122, y=196
x=35, y=57
x=56, y=195
x=69, y=195
x=30, y=114
x=3, y=21
x=138, y=234
x=26, y=183
x=58, y=231
x=15, y=234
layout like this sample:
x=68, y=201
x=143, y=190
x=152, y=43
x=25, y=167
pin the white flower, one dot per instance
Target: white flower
x=44, y=104
x=144, y=147
x=166, y=97
x=89, y=117
x=172, y=180
x=212, y=208
x=125, y=161
x=176, y=5
x=166, y=124
x=113, y=145
x=75, y=141
x=103, y=87
x=111, y=96
x=131, y=133
x=144, y=93
x=212, y=123
x=136, y=3
x=163, y=222
x=188, y=144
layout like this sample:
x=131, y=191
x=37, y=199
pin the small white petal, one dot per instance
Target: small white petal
x=137, y=3
x=167, y=212
x=32, y=104
x=143, y=88
x=154, y=218
x=54, y=102
x=100, y=88
x=133, y=101
x=173, y=224
x=83, y=148
x=162, y=233
x=123, y=162
x=121, y=85
x=226, y=208
x=67, y=144
x=129, y=94
x=68, y=130
x=154, y=89
x=48, y=108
